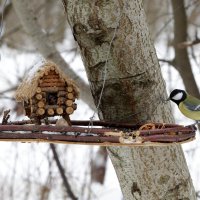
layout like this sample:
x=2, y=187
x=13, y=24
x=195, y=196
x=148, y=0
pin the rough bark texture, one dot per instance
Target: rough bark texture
x=132, y=93
x=182, y=62
x=46, y=47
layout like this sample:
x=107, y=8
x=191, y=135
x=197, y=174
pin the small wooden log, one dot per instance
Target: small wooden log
x=61, y=94
x=52, y=84
x=69, y=110
x=50, y=73
x=52, y=89
x=51, y=76
x=61, y=100
x=41, y=104
x=74, y=106
x=52, y=68
x=50, y=111
x=38, y=96
x=40, y=111
x=69, y=102
x=51, y=80
x=69, y=89
x=59, y=110
x=46, y=73
x=38, y=90
x=70, y=95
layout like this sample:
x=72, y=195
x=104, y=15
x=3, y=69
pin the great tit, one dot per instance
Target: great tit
x=187, y=104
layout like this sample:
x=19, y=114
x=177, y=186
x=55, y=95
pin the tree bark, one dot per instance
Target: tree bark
x=132, y=93
x=182, y=62
x=46, y=47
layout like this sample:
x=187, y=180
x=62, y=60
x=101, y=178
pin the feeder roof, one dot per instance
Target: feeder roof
x=27, y=88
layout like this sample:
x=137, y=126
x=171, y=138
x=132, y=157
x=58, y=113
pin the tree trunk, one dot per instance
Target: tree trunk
x=132, y=92
x=182, y=62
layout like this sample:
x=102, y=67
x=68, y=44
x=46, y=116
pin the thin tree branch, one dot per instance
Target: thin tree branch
x=6, y=116
x=11, y=89
x=62, y=173
x=170, y=62
x=186, y=44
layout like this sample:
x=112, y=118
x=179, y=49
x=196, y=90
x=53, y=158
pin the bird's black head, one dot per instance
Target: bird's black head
x=177, y=96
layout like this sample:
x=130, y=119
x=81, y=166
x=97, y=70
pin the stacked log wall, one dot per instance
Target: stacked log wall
x=65, y=96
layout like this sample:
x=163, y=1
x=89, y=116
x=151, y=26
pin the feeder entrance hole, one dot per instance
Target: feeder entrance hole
x=52, y=98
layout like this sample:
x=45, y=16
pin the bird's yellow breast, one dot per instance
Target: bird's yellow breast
x=195, y=115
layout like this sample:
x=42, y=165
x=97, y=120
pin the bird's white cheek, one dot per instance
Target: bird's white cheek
x=178, y=96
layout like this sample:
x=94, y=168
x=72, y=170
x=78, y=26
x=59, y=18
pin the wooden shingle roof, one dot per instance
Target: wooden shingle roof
x=28, y=87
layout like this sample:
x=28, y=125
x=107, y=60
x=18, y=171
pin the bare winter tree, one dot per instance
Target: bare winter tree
x=127, y=85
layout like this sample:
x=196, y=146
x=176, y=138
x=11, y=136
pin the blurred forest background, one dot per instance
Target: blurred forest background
x=30, y=171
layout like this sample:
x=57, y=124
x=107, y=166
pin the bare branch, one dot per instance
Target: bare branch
x=6, y=116
x=62, y=173
x=170, y=62
x=186, y=44
x=11, y=89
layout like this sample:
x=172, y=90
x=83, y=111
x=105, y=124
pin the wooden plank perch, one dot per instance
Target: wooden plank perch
x=161, y=135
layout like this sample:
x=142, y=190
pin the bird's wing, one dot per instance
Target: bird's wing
x=192, y=107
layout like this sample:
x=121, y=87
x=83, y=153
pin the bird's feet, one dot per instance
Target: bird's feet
x=193, y=126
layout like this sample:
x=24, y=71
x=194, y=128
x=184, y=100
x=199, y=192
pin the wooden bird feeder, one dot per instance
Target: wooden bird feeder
x=101, y=133
x=47, y=92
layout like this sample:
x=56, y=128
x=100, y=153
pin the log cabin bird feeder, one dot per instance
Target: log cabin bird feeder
x=47, y=92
